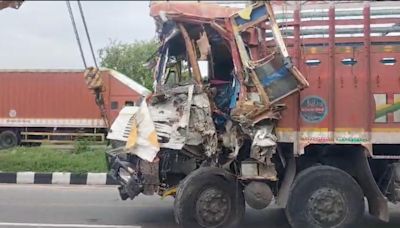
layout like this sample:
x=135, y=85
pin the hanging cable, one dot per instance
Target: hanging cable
x=98, y=91
x=87, y=33
x=71, y=15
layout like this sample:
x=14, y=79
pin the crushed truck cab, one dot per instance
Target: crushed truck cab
x=215, y=92
x=233, y=121
x=216, y=101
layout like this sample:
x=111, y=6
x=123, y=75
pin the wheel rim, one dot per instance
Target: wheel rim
x=212, y=208
x=8, y=141
x=327, y=207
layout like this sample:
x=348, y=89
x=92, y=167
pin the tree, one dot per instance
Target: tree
x=128, y=58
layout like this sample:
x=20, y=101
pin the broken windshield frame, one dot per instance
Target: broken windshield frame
x=174, y=68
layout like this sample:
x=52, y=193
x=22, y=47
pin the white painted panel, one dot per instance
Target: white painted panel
x=380, y=99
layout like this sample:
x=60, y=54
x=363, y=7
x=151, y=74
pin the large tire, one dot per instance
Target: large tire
x=324, y=196
x=209, y=197
x=8, y=139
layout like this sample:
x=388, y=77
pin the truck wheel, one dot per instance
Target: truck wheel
x=324, y=196
x=209, y=197
x=8, y=139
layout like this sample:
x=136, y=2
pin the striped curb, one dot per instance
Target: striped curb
x=57, y=178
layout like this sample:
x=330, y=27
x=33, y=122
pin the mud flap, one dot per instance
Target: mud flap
x=377, y=203
x=283, y=194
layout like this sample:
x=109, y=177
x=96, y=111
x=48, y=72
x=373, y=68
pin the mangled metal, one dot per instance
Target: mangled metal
x=182, y=119
x=216, y=95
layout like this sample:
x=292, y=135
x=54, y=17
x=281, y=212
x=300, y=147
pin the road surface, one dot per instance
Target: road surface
x=23, y=206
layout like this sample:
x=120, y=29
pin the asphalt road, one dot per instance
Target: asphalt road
x=24, y=206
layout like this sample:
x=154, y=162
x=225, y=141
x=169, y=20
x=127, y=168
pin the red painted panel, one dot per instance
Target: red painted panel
x=351, y=91
x=351, y=98
x=386, y=79
x=120, y=93
x=56, y=95
x=46, y=95
x=317, y=75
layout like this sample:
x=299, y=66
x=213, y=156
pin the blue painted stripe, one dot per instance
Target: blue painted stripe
x=281, y=73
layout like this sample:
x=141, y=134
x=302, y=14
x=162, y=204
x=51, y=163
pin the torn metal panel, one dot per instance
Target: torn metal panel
x=232, y=139
x=201, y=127
x=264, y=139
x=274, y=77
x=171, y=117
x=262, y=149
x=204, y=46
x=142, y=139
x=182, y=119
x=185, y=119
x=251, y=16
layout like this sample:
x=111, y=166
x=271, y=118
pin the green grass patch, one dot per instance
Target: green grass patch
x=42, y=159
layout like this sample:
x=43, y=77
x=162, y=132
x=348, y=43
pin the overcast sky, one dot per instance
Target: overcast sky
x=40, y=35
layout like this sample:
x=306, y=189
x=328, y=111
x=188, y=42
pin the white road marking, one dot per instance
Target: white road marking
x=12, y=224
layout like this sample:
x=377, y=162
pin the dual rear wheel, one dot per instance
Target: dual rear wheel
x=321, y=196
x=324, y=196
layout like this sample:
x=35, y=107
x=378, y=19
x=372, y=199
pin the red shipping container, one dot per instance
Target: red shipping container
x=61, y=99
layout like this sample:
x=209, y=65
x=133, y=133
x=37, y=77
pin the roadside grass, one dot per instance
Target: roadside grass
x=80, y=159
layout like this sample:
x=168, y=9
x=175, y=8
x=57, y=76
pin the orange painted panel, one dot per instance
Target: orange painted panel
x=56, y=95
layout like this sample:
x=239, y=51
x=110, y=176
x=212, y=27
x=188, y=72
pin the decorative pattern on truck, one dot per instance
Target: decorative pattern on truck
x=341, y=135
x=383, y=108
x=313, y=109
x=12, y=113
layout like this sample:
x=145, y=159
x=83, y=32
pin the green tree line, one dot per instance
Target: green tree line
x=128, y=58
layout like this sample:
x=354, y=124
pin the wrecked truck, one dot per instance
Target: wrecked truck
x=207, y=134
x=233, y=121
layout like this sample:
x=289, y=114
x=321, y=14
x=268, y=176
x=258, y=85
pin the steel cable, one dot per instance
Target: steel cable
x=87, y=34
x=98, y=92
x=71, y=15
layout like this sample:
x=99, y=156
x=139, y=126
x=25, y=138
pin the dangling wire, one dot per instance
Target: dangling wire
x=71, y=15
x=87, y=34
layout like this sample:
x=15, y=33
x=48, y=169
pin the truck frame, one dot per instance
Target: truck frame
x=241, y=114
